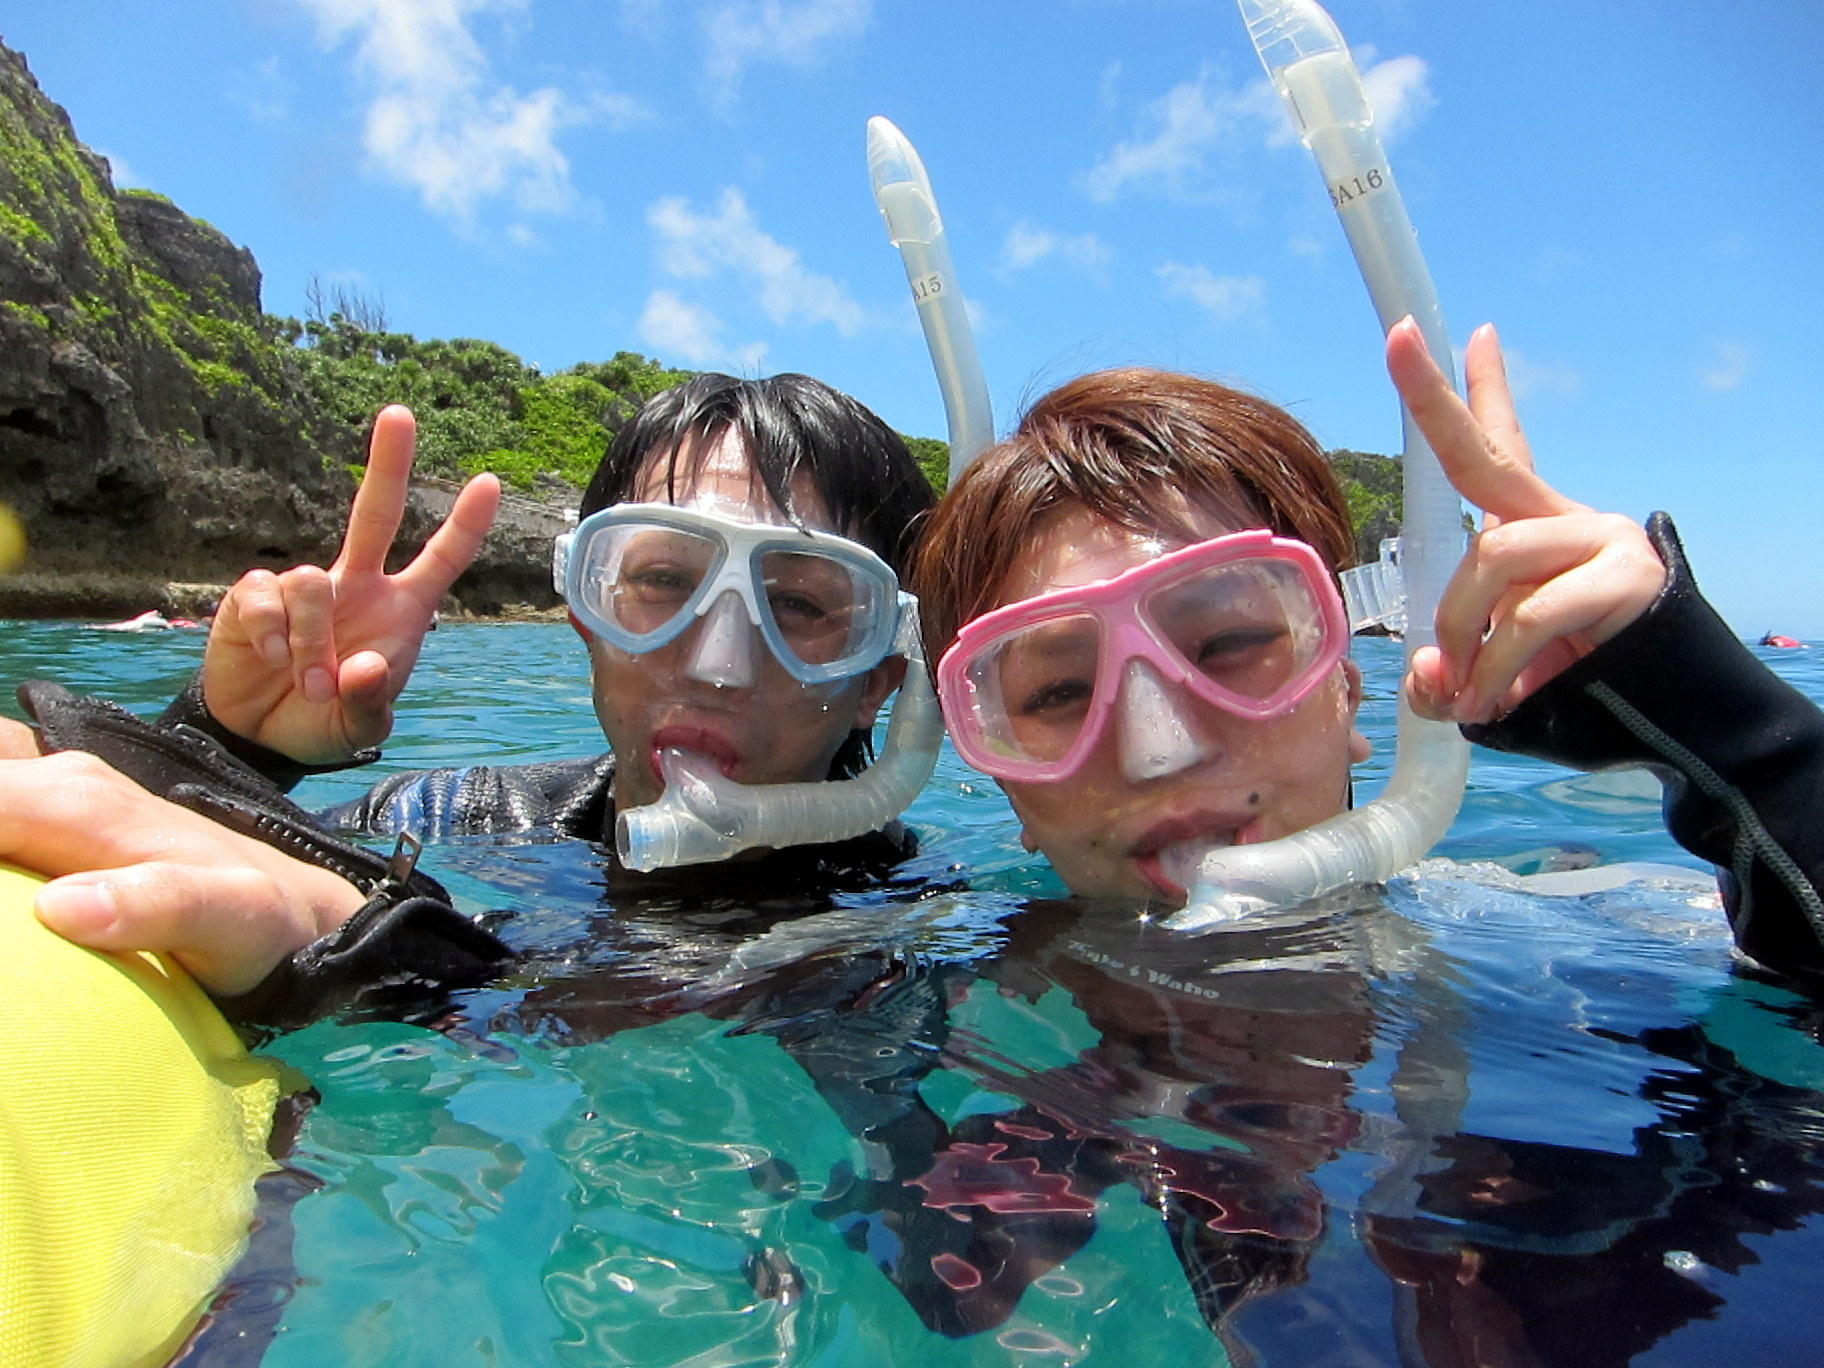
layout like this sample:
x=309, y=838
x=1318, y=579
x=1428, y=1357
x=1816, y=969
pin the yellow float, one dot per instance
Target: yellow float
x=133, y=1124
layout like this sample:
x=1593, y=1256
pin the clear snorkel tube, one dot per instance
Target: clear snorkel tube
x=903, y=192
x=1305, y=55
x=703, y=815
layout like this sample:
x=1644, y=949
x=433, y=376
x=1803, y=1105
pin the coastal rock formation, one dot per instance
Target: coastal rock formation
x=155, y=424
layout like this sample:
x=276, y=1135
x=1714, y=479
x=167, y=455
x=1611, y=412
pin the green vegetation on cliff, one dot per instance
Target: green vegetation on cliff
x=1372, y=484
x=479, y=407
x=118, y=304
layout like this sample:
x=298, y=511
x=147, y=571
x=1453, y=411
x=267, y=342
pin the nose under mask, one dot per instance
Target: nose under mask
x=1155, y=734
x=723, y=654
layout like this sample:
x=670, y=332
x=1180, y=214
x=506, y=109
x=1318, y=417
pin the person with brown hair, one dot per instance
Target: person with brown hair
x=1104, y=474
x=1134, y=601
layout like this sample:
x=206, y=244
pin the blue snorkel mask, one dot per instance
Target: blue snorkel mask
x=641, y=575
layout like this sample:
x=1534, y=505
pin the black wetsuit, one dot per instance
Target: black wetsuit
x=963, y=1216
x=1740, y=752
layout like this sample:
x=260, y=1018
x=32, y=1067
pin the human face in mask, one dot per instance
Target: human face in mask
x=1171, y=774
x=717, y=690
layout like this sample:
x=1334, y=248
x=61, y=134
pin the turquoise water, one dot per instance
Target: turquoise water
x=935, y=1124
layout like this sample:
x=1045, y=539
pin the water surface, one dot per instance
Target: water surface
x=961, y=1120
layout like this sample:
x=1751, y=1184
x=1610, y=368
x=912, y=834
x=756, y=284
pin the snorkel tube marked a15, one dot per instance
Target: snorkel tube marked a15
x=914, y=226
x=1305, y=55
x=703, y=816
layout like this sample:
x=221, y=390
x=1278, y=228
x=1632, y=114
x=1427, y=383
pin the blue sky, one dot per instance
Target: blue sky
x=1632, y=190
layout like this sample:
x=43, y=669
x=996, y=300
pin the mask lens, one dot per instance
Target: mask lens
x=1031, y=688
x=826, y=610
x=641, y=578
x=1253, y=627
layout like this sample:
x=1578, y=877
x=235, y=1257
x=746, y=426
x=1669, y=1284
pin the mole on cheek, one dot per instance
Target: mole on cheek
x=1253, y=799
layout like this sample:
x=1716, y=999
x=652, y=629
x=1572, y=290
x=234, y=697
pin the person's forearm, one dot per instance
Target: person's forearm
x=1740, y=751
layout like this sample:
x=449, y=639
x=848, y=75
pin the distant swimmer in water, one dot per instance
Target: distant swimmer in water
x=149, y=621
x=1785, y=643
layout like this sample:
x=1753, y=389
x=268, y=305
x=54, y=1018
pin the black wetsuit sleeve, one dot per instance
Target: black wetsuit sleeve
x=406, y=943
x=189, y=711
x=1740, y=752
x=397, y=957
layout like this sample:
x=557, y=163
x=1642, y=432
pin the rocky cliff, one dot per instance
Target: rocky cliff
x=154, y=422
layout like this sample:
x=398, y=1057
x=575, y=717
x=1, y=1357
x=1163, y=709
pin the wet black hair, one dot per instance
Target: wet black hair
x=869, y=482
x=787, y=423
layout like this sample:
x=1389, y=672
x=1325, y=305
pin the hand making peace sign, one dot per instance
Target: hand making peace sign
x=308, y=662
x=1545, y=582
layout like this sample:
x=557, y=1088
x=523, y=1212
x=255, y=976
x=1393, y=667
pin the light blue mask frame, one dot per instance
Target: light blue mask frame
x=739, y=546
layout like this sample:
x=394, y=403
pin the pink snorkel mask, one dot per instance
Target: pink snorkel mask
x=1250, y=623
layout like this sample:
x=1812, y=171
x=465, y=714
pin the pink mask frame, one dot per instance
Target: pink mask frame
x=1127, y=635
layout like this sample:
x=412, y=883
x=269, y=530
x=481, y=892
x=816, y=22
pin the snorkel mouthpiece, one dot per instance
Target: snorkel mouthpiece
x=704, y=816
x=1309, y=63
x=914, y=226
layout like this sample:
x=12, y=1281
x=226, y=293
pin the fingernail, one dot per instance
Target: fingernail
x=78, y=910
x=318, y=686
x=274, y=649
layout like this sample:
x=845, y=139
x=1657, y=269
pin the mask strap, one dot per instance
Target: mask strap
x=723, y=653
x=1156, y=738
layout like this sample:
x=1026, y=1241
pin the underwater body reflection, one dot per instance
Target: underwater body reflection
x=1446, y=1122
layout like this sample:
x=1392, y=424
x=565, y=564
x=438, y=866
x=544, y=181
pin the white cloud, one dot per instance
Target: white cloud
x=1399, y=92
x=441, y=122
x=1529, y=379
x=698, y=246
x=1108, y=86
x=1185, y=124
x=741, y=33
x=124, y=176
x=1556, y=262
x=1027, y=245
x=1226, y=298
x=680, y=331
x=644, y=17
x=263, y=92
x=1727, y=368
x=1182, y=132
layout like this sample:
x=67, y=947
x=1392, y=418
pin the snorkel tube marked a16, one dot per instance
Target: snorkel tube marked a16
x=1305, y=55
x=914, y=226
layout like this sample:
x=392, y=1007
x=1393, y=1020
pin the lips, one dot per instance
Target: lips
x=1168, y=853
x=698, y=741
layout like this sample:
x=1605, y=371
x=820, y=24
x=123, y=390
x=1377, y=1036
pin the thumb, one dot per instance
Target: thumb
x=229, y=927
x=366, y=687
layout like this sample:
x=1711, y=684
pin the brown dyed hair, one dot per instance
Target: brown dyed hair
x=1119, y=443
